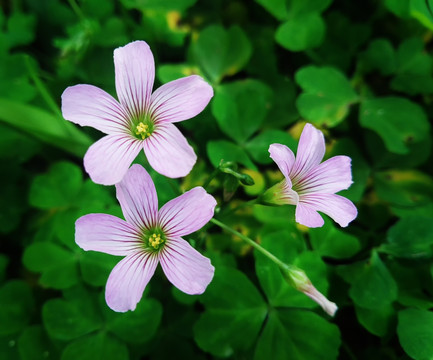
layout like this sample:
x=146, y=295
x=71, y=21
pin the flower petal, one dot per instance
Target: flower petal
x=137, y=197
x=168, y=152
x=311, y=149
x=128, y=279
x=180, y=99
x=340, y=209
x=109, y=158
x=187, y=213
x=329, y=177
x=185, y=267
x=105, y=233
x=88, y=105
x=135, y=73
x=307, y=216
x=284, y=158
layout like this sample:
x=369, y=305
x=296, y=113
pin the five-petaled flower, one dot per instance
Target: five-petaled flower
x=310, y=184
x=149, y=236
x=140, y=120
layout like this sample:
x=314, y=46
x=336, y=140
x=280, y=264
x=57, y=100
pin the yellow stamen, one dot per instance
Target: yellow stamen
x=142, y=130
x=155, y=240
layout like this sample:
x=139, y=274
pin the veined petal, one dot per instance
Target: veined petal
x=180, y=99
x=329, y=177
x=311, y=149
x=340, y=209
x=135, y=74
x=137, y=197
x=187, y=213
x=168, y=152
x=128, y=279
x=106, y=233
x=284, y=158
x=308, y=216
x=109, y=158
x=88, y=105
x=185, y=267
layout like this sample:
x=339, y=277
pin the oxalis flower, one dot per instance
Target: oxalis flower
x=140, y=120
x=310, y=184
x=149, y=237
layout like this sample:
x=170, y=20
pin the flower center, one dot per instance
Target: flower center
x=153, y=239
x=142, y=126
x=142, y=130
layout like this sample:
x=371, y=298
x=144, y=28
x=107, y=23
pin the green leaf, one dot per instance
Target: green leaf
x=327, y=95
x=4, y=261
x=96, y=346
x=277, y=8
x=380, y=55
x=230, y=49
x=16, y=307
x=44, y=126
x=96, y=267
x=421, y=10
x=234, y=314
x=404, y=188
x=398, y=7
x=411, y=237
x=415, y=332
x=280, y=215
x=298, y=335
x=67, y=320
x=224, y=150
x=59, y=187
x=330, y=241
x=57, y=265
x=241, y=107
x=165, y=5
x=378, y=321
x=136, y=326
x=20, y=29
x=170, y=72
x=301, y=33
x=301, y=7
x=414, y=72
x=398, y=121
x=258, y=146
x=375, y=287
x=33, y=344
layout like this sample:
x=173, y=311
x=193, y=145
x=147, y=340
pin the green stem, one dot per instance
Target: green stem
x=211, y=177
x=250, y=242
x=41, y=87
x=76, y=9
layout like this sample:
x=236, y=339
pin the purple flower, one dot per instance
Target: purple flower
x=149, y=236
x=140, y=120
x=311, y=185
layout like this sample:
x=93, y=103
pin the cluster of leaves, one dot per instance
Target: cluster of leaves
x=360, y=71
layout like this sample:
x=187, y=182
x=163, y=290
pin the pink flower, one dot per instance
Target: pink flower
x=149, y=236
x=140, y=120
x=311, y=185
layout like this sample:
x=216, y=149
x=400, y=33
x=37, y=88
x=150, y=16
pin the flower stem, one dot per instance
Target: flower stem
x=211, y=177
x=251, y=242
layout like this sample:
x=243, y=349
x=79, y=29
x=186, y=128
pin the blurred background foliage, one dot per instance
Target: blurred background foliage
x=361, y=71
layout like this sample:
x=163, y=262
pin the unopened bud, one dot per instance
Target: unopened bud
x=298, y=279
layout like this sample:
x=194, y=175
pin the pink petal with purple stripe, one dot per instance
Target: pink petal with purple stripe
x=168, y=152
x=87, y=105
x=306, y=215
x=311, y=149
x=135, y=74
x=187, y=213
x=128, y=279
x=180, y=99
x=137, y=197
x=107, y=234
x=329, y=177
x=185, y=267
x=284, y=158
x=109, y=158
x=340, y=209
